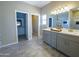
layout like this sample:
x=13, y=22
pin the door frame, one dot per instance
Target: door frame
x=21, y=11
x=38, y=22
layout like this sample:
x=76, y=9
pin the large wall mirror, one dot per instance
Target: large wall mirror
x=60, y=20
x=68, y=19
x=74, y=18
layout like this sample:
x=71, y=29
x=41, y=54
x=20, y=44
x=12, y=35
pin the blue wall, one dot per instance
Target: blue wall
x=22, y=29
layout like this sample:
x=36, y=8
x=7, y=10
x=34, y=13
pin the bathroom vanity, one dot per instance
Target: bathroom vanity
x=66, y=41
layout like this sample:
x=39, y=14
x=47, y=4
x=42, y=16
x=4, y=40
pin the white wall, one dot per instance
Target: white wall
x=8, y=23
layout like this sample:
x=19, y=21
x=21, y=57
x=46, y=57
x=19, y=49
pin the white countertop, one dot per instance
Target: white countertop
x=65, y=31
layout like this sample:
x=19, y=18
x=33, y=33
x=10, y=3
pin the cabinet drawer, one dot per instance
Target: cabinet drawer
x=69, y=37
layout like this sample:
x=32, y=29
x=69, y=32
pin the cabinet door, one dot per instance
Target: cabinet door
x=50, y=38
x=53, y=39
x=60, y=44
x=46, y=36
x=74, y=49
x=63, y=45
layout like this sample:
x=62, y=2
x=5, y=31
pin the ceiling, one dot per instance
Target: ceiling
x=39, y=4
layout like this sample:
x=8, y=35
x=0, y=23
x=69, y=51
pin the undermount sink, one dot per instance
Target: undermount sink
x=55, y=29
x=70, y=30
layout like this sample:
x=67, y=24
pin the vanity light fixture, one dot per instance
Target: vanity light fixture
x=54, y=12
x=61, y=10
x=58, y=11
x=66, y=8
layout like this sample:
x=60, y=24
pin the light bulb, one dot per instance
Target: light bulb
x=66, y=8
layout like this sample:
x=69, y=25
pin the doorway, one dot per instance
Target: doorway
x=35, y=20
x=21, y=25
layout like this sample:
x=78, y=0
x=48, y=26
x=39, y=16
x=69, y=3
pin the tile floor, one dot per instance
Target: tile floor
x=30, y=48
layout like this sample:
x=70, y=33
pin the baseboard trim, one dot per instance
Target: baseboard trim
x=8, y=44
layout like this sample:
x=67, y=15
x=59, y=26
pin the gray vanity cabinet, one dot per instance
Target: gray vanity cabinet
x=74, y=49
x=46, y=36
x=62, y=44
x=50, y=38
x=53, y=39
x=68, y=44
